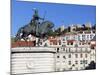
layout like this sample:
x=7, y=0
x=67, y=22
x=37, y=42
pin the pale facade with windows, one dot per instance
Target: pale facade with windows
x=72, y=53
x=63, y=53
x=73, y=58
x=87, y=36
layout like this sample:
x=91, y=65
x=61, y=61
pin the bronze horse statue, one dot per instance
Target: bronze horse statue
x=40, y=32
x=35, y=28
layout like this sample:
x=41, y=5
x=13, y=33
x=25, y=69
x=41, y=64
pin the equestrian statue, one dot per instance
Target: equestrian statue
x=37, y=27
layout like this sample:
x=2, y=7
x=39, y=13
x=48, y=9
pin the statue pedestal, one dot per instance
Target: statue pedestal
x=27, y=60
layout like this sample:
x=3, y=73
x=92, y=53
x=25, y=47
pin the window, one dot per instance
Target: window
x=64, y=57
x=76, y=62
x=85, y=55
x=67, y=43
x=55, y=43
x=81, y=62
x=81, y=55
x=57, y=49
x=88, y=43
x=74, y=38
x=58, y=56
x=63, y=39
x=63, y=45
x=76, y=55
x=92, y=47
x=66, y=38
x=59, y=42
x=90, y=36
x=85, y=61
x=71, y=43
x=69, y=56
x=82, y=43
x=83, y=37
x=78, y=37
x=69, y=62
x=63, y=49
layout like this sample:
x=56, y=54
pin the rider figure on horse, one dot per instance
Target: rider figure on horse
x=37, y=28
x=36, y=17
x=35, y=20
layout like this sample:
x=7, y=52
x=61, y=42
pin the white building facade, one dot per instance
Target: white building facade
x=72, y=51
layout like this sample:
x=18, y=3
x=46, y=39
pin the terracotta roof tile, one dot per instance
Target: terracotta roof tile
x=23, y=44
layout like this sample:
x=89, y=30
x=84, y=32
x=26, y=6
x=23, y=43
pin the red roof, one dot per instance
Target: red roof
x=23, y=44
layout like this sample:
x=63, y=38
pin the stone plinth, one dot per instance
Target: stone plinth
x=27, y=60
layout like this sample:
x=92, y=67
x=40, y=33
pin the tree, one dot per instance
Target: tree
x=92, y=65
x=65, y=31
x=94, y=27
x=12, y=39
x=52, y=33
x=69, y=29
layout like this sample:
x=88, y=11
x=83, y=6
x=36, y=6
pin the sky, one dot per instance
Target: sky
x=59, y=14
